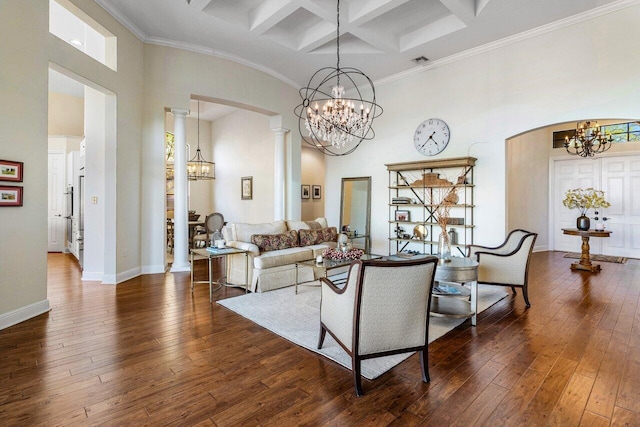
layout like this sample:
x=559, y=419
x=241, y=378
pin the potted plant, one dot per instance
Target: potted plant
x=584, y=199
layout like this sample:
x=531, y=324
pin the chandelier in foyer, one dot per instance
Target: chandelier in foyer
x=335, y=123
x=588, y=140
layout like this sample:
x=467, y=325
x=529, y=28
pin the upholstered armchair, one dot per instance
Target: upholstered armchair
x=507, y=264
x=382, y=309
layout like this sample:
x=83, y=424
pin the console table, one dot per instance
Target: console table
x=585, y=262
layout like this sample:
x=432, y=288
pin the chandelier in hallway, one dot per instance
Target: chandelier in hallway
x=588, y=140
x=198, y=168
x=335, y=123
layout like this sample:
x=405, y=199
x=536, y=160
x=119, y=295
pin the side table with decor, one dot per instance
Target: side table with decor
x=585, y=260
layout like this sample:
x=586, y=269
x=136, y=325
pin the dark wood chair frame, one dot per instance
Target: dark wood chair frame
x=524, y=286
x=356, y=358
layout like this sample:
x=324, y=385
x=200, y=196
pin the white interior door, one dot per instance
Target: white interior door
x=582, y=173
x=56, y=201
x=621, y=184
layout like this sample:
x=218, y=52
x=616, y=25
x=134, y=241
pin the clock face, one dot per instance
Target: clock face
x=431, y=137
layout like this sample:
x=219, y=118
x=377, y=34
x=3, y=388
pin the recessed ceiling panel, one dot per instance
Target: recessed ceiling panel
x=408, y=17
x=348, y=44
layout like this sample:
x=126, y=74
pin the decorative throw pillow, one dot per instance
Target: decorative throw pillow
x=273, y=242
x=314, y=237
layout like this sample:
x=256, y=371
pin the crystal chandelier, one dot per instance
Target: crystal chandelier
x=198, y=168
x=588, y=140
x=334, y=123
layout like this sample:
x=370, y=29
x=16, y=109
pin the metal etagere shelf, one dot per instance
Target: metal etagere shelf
x=413, y=221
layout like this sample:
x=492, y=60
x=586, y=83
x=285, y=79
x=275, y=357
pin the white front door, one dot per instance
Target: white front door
x=569, y=174
x=621, y=184
x=56, y=201
x=619, y=178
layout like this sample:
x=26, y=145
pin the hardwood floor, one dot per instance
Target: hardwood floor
x=148, y=352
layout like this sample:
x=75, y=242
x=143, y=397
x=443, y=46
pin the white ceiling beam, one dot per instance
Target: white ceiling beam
x=440, y=28
x=466, y=10
x=363, y=11
x=319, y=34
x=377, y=39
x=269, y=13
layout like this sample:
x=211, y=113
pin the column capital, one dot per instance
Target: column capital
x=179, y=112
x=280, y=130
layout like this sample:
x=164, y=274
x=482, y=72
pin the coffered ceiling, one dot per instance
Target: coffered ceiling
x=291, y=39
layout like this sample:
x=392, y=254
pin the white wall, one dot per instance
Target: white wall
x=243, y=145
x=312, y=165
x=490, y=97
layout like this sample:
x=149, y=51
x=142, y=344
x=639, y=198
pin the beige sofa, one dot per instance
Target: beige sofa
x=273, y=269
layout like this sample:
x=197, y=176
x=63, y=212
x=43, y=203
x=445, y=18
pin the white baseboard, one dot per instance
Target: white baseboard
x=24, y=313
x=153, y=269
x=127, y=275
x=540, y=248
x=92, y=276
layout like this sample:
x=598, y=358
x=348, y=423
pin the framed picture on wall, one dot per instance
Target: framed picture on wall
x=305, y=191
x=11, y=171
x=10, y=196
x=316, y=192
x=246, y=184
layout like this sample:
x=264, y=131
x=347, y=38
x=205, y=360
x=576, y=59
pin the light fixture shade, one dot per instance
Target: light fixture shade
x=331, y=121
x=198, y=168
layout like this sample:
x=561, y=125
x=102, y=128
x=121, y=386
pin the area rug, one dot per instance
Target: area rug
x=296, y=318
x=600, y=258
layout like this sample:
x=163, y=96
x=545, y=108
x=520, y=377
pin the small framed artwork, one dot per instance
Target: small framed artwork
x=403, y=216
x=10, y=196
x=11, y=171
x=246, y=183
x=305, y=191
x=316, y=192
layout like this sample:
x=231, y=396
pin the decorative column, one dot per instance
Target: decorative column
x=279, y=187
x=180, y=208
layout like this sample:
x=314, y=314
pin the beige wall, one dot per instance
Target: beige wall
x=312, y=163
x=66, y=114
x=172, y=77
x=24, y=37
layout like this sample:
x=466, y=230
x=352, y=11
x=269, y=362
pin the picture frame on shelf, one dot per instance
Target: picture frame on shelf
x=403, y=216
x=305, y=191
x=10, y=195
x=317, y=194
x=11, y=171
x=246, y=187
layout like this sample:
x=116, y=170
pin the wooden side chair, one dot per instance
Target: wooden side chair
x=507, y=264
x=213, y=222
x=382, y=309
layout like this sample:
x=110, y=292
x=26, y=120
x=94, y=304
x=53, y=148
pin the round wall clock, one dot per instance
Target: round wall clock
x=431, y=137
